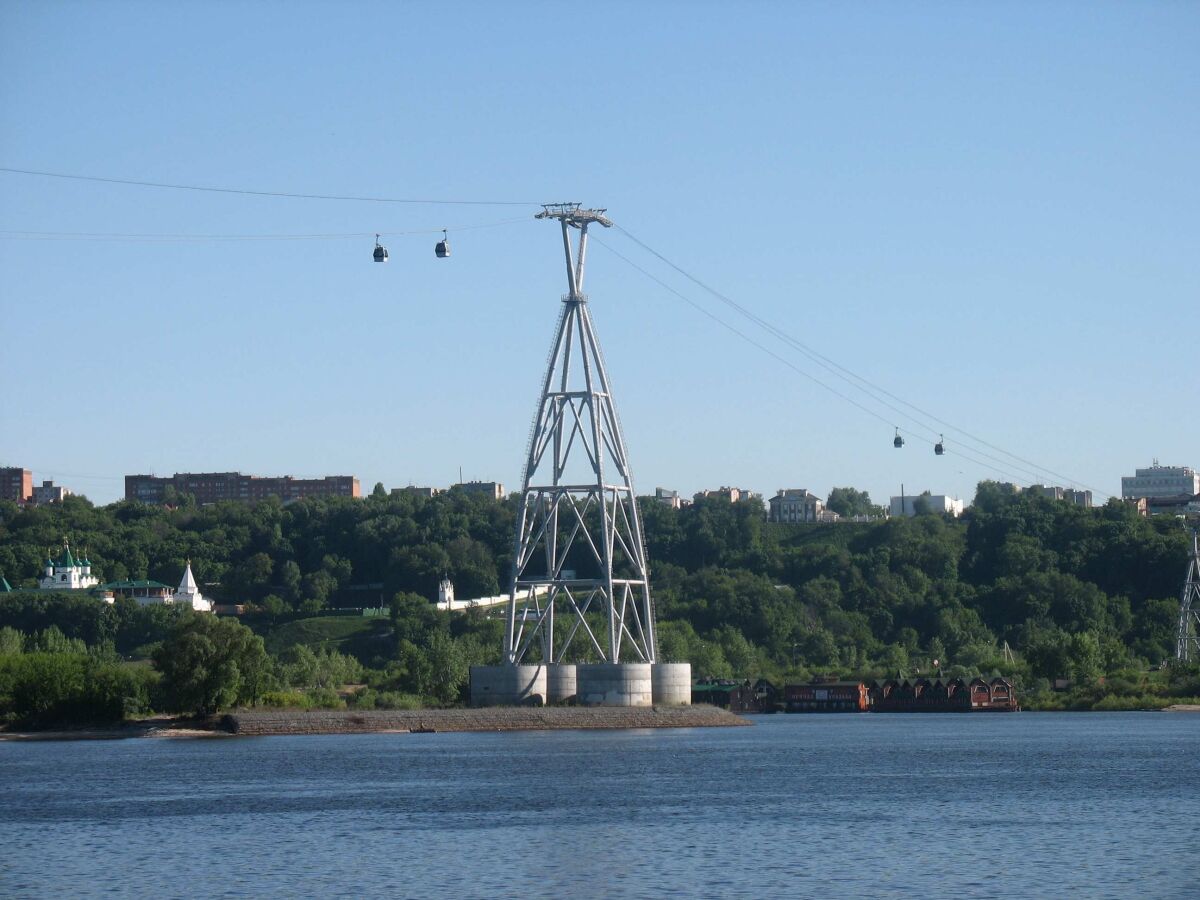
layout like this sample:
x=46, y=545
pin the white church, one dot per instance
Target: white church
x=69, y=573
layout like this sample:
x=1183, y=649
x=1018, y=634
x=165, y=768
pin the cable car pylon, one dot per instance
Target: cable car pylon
x=578, y=548
x=1187, y=635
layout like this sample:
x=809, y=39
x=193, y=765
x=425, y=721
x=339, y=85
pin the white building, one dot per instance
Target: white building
x=1161, y=481
x=189, y=594
x=797, y=505
x=446, y=593
x=938, y=503
x=67, y=573
x=669, y=498
x=732, y=494
x=48, y=492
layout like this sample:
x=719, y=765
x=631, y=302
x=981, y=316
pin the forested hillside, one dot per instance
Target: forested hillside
x=1074, y=592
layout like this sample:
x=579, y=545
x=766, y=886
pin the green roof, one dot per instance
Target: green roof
x=715, y=688
x=127, y=585
x=5, y=587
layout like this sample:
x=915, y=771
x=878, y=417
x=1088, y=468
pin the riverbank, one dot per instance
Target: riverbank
x=495, y=718
x=267, y=722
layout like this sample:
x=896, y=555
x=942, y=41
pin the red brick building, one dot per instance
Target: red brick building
x=827, y=696
x=16, y=485
x=213, y=487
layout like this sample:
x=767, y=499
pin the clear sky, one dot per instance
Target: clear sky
x=988, y=210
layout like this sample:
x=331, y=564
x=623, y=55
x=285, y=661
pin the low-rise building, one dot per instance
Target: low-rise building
x=732, y=494
x=144, y=591
x=147, y=592
x=1182, y=505
x=827, y=696
x=735, y=696
x=938, y=503
x=794, y=505
x=669, y=498
x=416, y=491
x=49, y=492
x=1069, y=495
x=493, y=489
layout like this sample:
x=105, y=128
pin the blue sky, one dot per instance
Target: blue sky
x=987, y=210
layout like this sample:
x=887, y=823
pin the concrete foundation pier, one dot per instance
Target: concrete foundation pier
x=508, y=685
x=560, y=683
x=614, y=684
x=672, y=684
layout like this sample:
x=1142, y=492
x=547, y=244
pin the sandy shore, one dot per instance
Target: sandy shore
x=265, y=722
x=157, y=727
x=1183, y=707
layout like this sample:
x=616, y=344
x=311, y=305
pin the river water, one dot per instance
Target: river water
x=1027, y=805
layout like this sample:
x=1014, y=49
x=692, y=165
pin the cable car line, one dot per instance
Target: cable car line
x=865, y=386
x=1011, y=467
x=772, y=353
x=167, y=237
x=286, y=194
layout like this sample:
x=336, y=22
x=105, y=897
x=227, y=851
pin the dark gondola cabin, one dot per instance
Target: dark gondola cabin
x=442, y=248
x=380, y=254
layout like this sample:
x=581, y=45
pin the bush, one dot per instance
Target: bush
x=42, y=690
x=1129, y=703
x=325, y=698
x=397, y=700
x=286, y=700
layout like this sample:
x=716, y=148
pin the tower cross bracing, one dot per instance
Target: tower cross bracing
x=1187, y=638
x=579, y=551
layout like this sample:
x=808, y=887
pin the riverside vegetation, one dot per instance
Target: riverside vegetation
x=1088, y=595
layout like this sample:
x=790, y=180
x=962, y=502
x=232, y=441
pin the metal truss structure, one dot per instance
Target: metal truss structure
x=1187, y=639
x=579, y=547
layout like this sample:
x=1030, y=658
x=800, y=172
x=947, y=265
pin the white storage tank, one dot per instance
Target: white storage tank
x=508, y=685
x=614, y=684
x=672, y=684
x=560, y=683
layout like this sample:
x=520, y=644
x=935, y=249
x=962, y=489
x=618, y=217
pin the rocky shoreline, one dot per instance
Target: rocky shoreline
x=495, y=718
x=266, y=722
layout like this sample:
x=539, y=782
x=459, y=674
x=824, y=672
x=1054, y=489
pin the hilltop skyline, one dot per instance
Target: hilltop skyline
x=985, y=213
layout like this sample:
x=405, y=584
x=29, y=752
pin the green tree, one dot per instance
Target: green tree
x=209, y=664
x=848, y=501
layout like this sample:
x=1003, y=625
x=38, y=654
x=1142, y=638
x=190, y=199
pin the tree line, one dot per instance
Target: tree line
x=1070, y=592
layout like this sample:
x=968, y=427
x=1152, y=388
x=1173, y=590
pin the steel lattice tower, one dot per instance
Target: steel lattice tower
x=1187, y=640
x=579, y=546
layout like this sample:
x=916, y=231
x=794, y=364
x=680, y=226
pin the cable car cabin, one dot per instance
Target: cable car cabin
x=897, y=441
x=938, y=448
x=380, y=254
x=442, y=248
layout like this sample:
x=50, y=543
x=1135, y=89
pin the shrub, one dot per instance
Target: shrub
x=397, y=700
x=286, y=700
x=325, y=698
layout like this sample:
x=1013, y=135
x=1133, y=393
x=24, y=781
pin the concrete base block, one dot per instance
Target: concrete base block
x=672, y=684
x=560, y=683
x=614, y=684
x=508, y=685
